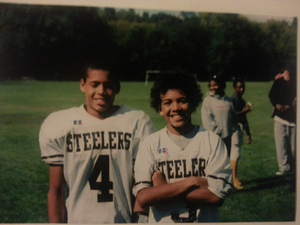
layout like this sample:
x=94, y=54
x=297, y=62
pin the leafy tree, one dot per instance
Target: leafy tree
x=236, y=49
x=280, y=43
x=132, y=51
x=50, y=42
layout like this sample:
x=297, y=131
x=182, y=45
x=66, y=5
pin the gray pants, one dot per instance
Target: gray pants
x=285, y=141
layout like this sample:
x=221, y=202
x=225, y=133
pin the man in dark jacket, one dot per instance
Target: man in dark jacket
x=283, y=98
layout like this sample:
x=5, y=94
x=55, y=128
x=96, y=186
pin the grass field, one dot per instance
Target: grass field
x=24, y=178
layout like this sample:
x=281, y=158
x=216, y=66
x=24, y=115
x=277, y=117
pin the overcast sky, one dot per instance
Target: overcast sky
x=258, y=18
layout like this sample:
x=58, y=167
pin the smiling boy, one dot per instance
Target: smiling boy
x=182, y=171
x=90, y=150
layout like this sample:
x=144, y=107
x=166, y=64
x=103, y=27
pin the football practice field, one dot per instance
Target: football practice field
x=24, y=178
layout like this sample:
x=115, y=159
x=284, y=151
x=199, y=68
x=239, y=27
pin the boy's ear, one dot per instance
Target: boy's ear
x=160, y=112
x=82, y=85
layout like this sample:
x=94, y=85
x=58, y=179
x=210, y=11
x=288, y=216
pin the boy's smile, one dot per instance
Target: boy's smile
x=99, y=93
x=176, y=111
x=214, y=87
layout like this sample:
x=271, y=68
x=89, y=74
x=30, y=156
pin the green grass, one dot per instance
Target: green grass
x=24, y=178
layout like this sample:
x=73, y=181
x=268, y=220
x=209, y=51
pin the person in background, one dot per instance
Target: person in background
x=90, y=150
x=241, y=109
x=182, y=172
x=218, y=114
x=283, y=99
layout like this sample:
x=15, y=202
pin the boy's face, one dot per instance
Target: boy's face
x=214, y=87
x=176, y=111
x=99, y=93
x=239, y=88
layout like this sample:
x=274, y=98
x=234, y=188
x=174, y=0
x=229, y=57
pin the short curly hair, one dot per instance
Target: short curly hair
x=176, y=81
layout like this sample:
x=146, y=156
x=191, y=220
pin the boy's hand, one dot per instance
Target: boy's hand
x=248, y=107
x=198, y=182
x=249, y=140
x=281, y=108
x=158, y=178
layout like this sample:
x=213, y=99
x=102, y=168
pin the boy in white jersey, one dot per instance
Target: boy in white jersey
x=92, y=148
x=182, y=172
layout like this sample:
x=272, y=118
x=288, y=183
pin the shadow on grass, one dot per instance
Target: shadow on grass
x=269, y=183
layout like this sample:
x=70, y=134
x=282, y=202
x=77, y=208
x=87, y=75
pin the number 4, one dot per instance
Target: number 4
x=101, y=168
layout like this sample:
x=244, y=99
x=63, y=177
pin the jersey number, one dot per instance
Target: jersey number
x=191, y=217
x=102, y=168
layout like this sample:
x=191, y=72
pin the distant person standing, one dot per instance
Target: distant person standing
x=218, y=114
x=241, y=109
x=283, y=98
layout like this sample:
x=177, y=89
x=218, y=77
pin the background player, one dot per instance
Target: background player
x=92, y=148
x=217, y=112
x=241, y=109
x=182, y=171
x=283, y=99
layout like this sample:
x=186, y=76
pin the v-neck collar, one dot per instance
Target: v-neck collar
x=165, y=132
x=102, y=120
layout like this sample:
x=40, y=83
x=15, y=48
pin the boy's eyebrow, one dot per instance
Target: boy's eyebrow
x=167, y=99
x=94, y=82
x=105, y=82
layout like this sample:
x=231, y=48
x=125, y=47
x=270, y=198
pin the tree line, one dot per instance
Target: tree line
x=52, y=43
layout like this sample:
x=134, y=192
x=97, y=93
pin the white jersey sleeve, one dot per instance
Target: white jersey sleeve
x=144, y=127
x=52, y=135
x=146, y=163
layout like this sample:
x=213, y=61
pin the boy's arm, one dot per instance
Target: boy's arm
x=56, y=195
x=140, y=215
x=138, y=209
x=273, y=94
x=200, y=195
x=162, y=191
x=204, y=196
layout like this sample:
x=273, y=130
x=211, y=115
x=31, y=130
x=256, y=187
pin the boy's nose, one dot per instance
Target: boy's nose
x=175, y=106
x=100, y=89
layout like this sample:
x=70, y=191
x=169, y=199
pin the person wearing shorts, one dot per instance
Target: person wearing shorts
x=241, y=109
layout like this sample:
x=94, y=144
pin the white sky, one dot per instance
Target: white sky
x=258, y=10
x=258, y=18
x=251, y=7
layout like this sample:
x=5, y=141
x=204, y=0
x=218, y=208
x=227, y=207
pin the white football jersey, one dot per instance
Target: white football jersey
x=98, y=157
x=205, y=156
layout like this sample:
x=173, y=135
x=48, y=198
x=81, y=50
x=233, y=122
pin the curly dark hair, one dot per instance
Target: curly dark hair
x=176, y=81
